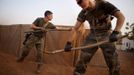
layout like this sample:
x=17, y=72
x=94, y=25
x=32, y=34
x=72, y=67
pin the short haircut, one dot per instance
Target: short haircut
x=47, y=13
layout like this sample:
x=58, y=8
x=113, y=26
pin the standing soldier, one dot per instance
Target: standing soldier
x=98, y=13
x=36, y=38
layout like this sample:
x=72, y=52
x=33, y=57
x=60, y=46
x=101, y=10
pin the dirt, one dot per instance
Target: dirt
x=9, y=66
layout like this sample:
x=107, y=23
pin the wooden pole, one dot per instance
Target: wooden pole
x=83, y=47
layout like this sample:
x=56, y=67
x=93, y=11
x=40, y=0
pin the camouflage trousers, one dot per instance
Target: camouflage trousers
x=30, y=43
x=109, y=52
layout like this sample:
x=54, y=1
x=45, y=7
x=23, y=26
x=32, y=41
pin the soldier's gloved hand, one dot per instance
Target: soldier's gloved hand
x=68, y=46
x=114, y=36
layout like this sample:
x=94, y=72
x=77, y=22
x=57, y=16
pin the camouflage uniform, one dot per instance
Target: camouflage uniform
x=36, y=39
x=100, y=24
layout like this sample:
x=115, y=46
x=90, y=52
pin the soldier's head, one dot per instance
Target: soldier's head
x=84, y=4
x=48, y=15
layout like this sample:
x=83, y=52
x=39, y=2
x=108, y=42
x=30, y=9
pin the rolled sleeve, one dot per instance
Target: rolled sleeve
x=81, y=17
x=36, y=22
x=110, y=8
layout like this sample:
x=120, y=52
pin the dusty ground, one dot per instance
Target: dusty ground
x=8, y=66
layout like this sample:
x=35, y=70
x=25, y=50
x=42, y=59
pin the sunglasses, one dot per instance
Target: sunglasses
x=79, y=2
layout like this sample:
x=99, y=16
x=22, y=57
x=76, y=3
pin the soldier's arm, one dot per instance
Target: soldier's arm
x=80, y=21
x=33, y=26
x=51, y=26
x=113, y=10
x=120, y=20
x=75, y=29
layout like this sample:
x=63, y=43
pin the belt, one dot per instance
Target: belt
x=100, y=31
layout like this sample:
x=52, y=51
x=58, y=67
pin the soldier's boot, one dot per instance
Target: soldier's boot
x=21, y=59
x=115, y=73
x=22, y=56
x=38, y=68
x=76, y=73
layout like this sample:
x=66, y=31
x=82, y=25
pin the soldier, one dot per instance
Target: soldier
x=36, y=38
x=98, y=13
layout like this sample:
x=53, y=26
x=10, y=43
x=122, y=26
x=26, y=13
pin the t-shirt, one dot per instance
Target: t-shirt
x=41, y=23
x=100, y=17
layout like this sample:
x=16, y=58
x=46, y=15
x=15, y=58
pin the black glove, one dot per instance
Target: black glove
x=68, y=46
x=114, y=36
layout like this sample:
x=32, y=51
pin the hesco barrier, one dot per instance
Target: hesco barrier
x=12, y=36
